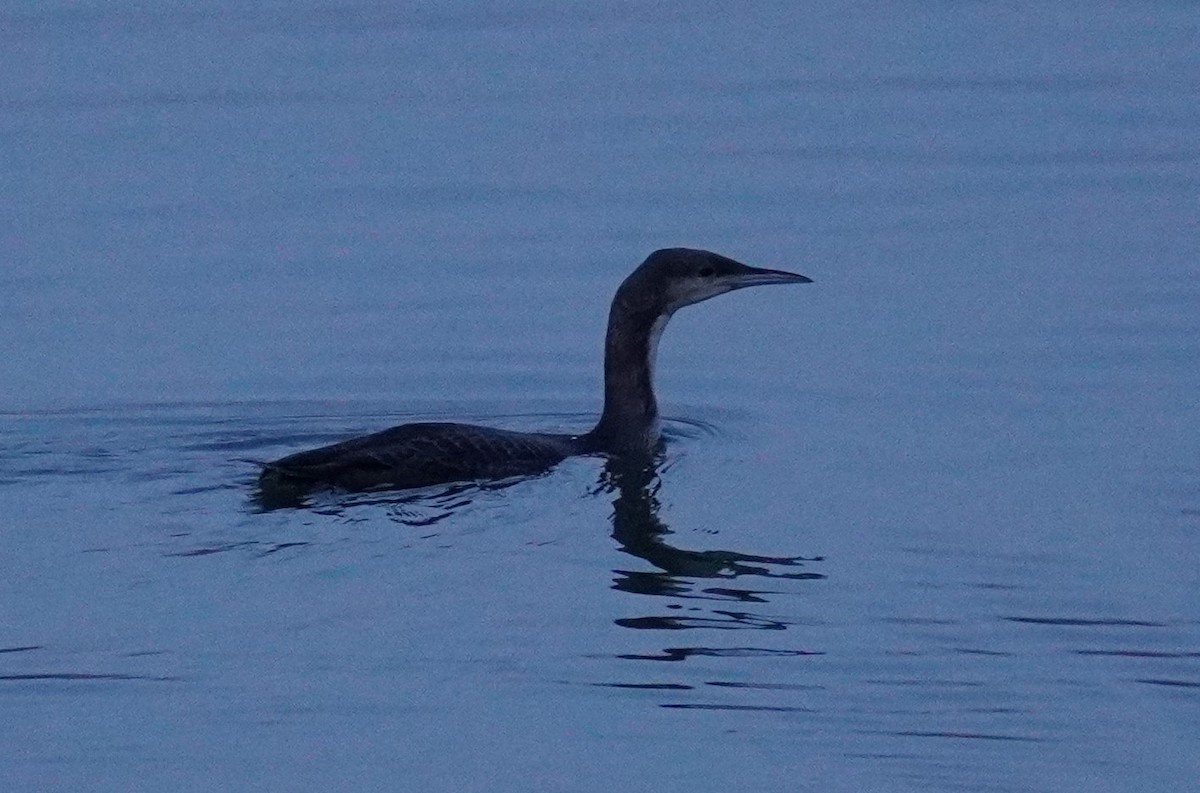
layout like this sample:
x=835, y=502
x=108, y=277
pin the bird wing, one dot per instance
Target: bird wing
x=415, y=455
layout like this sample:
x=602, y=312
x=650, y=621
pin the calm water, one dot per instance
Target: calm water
x=930, y=523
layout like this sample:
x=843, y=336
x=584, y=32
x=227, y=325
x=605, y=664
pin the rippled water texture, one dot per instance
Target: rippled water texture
x=929, y=523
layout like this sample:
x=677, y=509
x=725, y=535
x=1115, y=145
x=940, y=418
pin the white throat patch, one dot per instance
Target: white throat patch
x=656, y=332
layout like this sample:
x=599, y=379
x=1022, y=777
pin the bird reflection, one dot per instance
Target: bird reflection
x=634, y=481
x=640, y=532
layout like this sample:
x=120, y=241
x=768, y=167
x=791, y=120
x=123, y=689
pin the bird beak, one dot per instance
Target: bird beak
x=758, y=276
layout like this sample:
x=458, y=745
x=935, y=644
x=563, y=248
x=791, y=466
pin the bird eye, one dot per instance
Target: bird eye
x=707, y=272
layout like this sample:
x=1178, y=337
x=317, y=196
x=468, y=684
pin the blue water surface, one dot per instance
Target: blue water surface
x=930, y=523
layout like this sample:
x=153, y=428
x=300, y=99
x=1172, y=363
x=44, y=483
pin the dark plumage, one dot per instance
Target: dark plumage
x=417, y=455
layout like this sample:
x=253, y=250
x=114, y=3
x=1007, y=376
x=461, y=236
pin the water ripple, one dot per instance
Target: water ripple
x=683, y=653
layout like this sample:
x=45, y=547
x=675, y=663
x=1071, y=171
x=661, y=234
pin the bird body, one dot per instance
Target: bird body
x=422, y=454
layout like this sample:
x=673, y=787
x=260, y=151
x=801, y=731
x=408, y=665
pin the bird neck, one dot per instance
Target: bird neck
x=630, y=418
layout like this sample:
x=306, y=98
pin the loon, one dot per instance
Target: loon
x=424, y=454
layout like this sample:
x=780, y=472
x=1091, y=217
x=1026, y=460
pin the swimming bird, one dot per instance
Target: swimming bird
x=421, y=454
